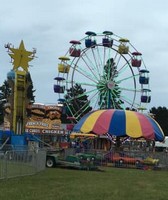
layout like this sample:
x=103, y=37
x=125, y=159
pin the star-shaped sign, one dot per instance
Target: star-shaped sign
x=21, y=57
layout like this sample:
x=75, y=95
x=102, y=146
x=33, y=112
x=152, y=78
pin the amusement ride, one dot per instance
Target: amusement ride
x=19, y=82
x=110, y=70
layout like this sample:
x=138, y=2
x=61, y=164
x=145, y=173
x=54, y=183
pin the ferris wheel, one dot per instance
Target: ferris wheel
x=110, y=71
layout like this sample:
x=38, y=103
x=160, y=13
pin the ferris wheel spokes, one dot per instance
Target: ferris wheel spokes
x=109, y=69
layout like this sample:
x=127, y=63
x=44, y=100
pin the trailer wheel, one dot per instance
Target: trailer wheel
x=50, y=162
x=137, y=162
x=121, y=161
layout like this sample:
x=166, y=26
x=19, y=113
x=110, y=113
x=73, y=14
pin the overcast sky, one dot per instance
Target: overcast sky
x=49, y=25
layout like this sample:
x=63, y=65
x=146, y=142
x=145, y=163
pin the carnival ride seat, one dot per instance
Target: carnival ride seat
x=74, y=50
x=144, y=79
x=136, y=60
x=107, y=42
x=59, y=89
x=123, y=48
x=90, y=41
x=145, y=97
x=63, y=68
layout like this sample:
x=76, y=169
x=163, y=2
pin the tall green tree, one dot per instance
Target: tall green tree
x=160, y=114
x=30, y=90
x=77, y=103
x=5, y=92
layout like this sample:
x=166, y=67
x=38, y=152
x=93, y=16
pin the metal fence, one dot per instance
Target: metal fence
x=16, y=163
x=137, y=159
x=21, y=163
x=129, y=158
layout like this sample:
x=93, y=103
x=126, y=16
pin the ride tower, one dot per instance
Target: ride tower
x=19, y=82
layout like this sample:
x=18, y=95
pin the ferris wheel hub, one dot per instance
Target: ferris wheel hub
x=111, y=85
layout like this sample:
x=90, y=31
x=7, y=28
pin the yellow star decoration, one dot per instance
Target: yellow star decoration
x=21, y=57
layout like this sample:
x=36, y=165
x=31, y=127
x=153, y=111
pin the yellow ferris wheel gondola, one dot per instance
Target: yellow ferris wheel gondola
x=123, y=48
x=63, y=66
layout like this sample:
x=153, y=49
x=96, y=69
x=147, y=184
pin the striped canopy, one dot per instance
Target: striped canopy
x=120, y=123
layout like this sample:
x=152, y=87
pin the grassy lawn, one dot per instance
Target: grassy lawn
x=66, y=184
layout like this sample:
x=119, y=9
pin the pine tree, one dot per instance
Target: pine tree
x=160, y=114
x=77, y=102
x=30, y=91
x=5, y=92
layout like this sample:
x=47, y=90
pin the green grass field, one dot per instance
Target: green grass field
x=109, y=184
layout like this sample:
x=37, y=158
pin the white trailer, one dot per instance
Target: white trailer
x=162, y=146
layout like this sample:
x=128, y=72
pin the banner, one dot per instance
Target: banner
x=44, y=119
